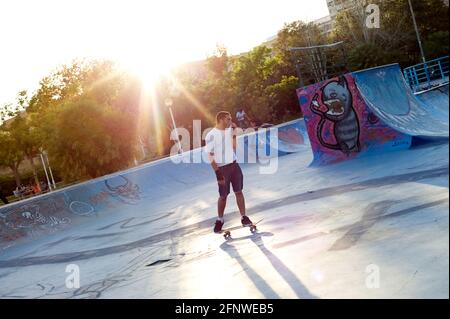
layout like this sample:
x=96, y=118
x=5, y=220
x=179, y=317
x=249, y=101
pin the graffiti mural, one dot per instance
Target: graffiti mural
x=56, y=211
x=30, y=217
x=30, y=220
x=124, y=190
x=341, y=126
x=334, y=102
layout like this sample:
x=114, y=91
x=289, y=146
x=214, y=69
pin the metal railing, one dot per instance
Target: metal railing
x=426, y=75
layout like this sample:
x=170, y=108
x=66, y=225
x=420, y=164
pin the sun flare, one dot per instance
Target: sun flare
x=149, y=68
x=149, y=72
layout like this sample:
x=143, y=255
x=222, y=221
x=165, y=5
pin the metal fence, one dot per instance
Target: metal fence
x=426, y=75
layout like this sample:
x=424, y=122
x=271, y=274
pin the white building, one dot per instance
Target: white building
x=325, y=24
x=335, y=6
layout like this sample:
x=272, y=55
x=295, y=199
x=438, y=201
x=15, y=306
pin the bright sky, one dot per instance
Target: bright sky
x=37, y=36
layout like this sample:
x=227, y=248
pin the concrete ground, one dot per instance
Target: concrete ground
x=373, y=227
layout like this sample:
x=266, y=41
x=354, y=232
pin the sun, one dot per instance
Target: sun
x=149, y=68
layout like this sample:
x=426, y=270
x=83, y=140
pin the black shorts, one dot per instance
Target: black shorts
x=232, y=174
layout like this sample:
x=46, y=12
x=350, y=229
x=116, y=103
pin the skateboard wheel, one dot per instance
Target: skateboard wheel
x=253, y=229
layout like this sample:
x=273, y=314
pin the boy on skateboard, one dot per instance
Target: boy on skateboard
x=221, y=148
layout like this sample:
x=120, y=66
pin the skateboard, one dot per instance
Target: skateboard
x=227, y=231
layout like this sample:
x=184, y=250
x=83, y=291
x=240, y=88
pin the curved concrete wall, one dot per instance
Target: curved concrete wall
x=48, y=213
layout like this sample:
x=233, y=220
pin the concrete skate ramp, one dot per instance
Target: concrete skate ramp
x=86, y=202
x=370, y=112
x=387, y=94
x=136, y=189
x=342, y=126
x=324, y=231
x=436, y=100
x=278, y=140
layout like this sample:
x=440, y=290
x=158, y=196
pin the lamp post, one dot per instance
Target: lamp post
x=50, y=169
x=45, y=170
x=141, y=144
x=417, y=32
x=168, y=102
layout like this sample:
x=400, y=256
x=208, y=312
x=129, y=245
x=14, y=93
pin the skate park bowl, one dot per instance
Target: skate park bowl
x=61, y=209
x=147, y=232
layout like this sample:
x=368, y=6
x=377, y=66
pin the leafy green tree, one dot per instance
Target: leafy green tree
x=395, y=40
x=26, y=139
x=249, y=76
x=283, y=98
x=436, y=45
x=218, y=62
x=9, y=110
x=94, y=88
x=369, y=55
x=295, y=34
x=10, y=154
x=431, y=16
x=92, y=140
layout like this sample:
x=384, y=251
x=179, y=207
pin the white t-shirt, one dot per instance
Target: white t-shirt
x=219, y=143
x=240, y=116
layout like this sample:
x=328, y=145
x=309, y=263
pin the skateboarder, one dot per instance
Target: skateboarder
x=221, y=148
x=241, y=118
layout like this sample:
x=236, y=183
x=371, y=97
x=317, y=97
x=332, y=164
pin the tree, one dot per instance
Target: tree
x=436, y=45
x=93, y=88
x=92, y=140
x=369, y=55
x=218, y=62
x=283, y=97
x=249, y=76
x=295, y=34
x=26, y=140
x=431, y=16
x=9, y=110
x=10, y=154
x=395, y=40
x=293, y=63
